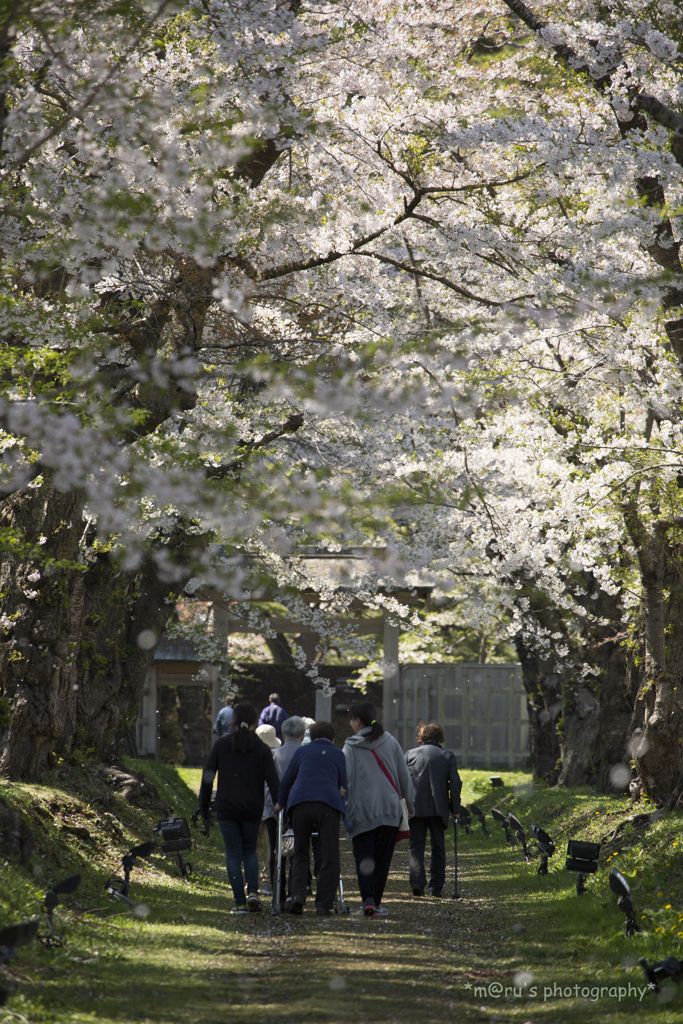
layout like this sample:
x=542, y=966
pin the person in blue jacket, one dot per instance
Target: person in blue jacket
x=313, y=791
x=274, y=715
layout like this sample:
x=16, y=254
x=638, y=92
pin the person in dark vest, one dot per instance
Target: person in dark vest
x=274, y=715
x=313, y=791
x=434, y=772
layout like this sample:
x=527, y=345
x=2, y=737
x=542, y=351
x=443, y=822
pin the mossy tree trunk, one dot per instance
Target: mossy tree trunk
x=71, y=664
x=659, y=759
x=580, y=704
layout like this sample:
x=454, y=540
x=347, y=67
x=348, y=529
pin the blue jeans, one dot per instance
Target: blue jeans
x=240, y=839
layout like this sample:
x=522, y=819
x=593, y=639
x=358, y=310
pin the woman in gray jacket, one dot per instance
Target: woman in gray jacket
x=377, y=779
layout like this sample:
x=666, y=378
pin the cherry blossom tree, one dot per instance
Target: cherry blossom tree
x=285, y=274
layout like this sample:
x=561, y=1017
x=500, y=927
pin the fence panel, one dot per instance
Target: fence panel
x=482, y=709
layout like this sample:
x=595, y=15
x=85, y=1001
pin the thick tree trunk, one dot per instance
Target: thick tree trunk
x=70, y=663
x=660, y=760
x=579, y=722
x=544, y=704
x=597, y=718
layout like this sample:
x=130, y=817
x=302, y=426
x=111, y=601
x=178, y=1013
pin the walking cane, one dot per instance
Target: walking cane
x=455, y=858
x=276, y=908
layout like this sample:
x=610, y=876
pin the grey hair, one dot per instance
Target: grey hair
x=294, y=728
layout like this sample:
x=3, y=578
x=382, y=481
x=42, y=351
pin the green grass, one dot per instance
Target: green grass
x=189, y=961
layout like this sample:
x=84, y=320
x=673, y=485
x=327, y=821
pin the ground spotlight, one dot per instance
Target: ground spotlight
x=11, y=938
x=664, y=970
x=175, y=838
x=582, y=857
x=546, y=847
x=117, y=886
x=464, y=819
x=502, y=818
x=478, y=813
x=16, y=935
x=55, y=928
x=621, y=888
x=520, y=835
x=496, y=780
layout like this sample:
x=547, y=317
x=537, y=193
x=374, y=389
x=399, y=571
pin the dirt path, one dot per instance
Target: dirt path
x=517, y=948
x=428, y=961
x=410, y=967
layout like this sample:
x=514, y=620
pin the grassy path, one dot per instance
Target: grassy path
x=516, y=948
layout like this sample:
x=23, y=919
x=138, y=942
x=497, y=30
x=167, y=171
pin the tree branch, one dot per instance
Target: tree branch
x=640, y=101
x=465, y=292
x=290, y=426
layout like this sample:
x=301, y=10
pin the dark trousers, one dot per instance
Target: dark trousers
x=373, y=851
x=416, y=852
x=240, y=838
x=316, y=816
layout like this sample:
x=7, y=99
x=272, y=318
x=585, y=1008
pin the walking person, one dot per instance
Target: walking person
x=434, y=772
x=223, y=723
x=268, y=827
x=244, y=763
x=312, y=791
x=274, y=715
x=377, y=780
x=293, y=731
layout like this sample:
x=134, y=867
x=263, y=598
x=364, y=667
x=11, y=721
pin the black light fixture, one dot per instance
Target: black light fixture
x=478, y=813
x=55, y=931
x=546, y=847
x=117, y=886
x=582, y=857
x=464, y=819
x=503, y=819
x=664, y=970
x=14, y=936
x=520, y=835
x=175, y=838
x=11, y=938
x=622, y=890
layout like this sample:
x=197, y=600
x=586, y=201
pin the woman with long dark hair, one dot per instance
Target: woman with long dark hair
x=377, y=778
x=244, y=763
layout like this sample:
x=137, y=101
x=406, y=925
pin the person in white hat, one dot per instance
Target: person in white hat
x=269, y=822
x=308, y=722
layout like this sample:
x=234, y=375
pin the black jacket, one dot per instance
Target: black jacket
x=239, y=793
x=435, y=777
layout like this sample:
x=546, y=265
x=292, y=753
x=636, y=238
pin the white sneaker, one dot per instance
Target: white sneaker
x=381, y=911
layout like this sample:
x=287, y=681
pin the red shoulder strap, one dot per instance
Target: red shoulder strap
x=381, y=764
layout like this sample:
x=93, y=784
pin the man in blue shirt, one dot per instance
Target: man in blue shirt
x=313, y=791
x=223, y=723
x=274, y=715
